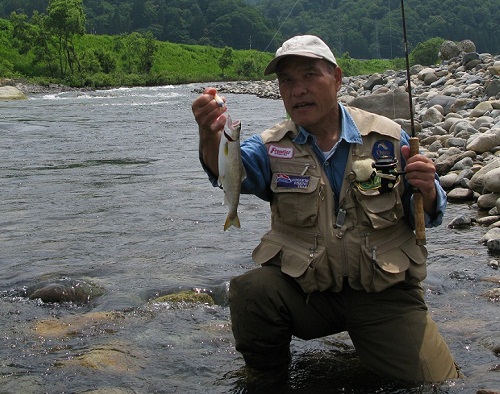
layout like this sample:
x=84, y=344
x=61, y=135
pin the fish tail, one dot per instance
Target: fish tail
x=232, y=221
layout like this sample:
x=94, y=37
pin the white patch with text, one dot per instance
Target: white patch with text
x=282, y=153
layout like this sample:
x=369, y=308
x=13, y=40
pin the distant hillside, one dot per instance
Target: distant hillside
x=373, y=28
x=365, y=29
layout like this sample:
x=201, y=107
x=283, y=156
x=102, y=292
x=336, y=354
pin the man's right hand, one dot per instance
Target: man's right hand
x=211, y=120
x=208, y=113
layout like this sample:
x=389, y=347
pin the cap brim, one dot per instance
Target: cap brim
x=273, y=64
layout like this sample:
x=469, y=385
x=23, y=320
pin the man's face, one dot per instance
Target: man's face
x=309, y=89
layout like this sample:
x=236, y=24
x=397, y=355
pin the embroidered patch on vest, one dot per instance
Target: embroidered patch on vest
x=279, y=152
x=292, y=181
x=383, y=148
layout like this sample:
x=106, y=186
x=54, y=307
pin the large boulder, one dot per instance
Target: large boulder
x=11, y=93
x=393, y=104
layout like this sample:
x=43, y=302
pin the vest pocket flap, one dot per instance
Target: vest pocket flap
x=377, y=203
x=298, y=258
x=416, y=253
x=399, y=259
x=294, y=262
x=266, y=250
x=286, y=183
x=393, y=261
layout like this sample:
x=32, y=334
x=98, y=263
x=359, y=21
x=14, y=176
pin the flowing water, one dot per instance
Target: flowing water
x=106, y=187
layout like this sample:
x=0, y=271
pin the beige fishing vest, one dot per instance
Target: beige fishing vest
x=373, y=247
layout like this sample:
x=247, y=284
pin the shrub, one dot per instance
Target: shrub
x=426, y=53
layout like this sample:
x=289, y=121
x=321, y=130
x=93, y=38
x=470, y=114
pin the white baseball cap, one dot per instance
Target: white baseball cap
x=306, y=45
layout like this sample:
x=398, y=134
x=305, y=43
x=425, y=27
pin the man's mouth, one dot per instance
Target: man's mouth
x=302, y=105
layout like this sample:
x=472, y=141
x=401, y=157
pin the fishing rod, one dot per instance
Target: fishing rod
x=418, y=200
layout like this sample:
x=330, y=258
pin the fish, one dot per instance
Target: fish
x=231, y=170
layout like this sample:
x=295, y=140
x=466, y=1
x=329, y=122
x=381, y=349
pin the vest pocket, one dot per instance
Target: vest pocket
x=303, y=261
x=387, y=265
x=381, y=210
x=296, y=203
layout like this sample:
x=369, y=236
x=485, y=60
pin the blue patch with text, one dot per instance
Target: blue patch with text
x=292, y=181
x=383, y=148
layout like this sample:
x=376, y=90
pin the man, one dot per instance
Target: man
x=341, y=253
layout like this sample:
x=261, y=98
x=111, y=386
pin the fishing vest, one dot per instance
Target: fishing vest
x=365, y=239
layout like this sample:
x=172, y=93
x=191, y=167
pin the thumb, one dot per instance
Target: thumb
x=405, y=151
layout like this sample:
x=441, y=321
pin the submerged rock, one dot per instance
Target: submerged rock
x=185, y=297
x=64, y=290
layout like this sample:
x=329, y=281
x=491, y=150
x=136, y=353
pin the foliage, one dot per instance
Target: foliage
x=426, y=53
x=107, y=61
x=366, y=29
x=226, y=59
x=65, y=20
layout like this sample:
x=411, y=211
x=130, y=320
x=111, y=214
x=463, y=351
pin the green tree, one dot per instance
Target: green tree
x=66, y=19
x=226, y=59
x=148, y=52
x=426, y=53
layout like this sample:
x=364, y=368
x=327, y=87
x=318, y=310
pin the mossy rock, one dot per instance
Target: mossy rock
x=185, y=297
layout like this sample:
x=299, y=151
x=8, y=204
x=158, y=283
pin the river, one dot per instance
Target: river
x=106, y=187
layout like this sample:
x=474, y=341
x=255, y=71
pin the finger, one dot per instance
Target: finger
x=206, y=110
x=405, y=152
x=219, y=123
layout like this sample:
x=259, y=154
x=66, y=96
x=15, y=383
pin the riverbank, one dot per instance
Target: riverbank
x=32, y=88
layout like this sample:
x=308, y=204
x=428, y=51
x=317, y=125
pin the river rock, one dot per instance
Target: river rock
x=445, y=102
x=462, y=220
x=488, y=220
x=492, y=181
x=487, y=201
x=488, y=391
x=11, y=93
x=492, y=234
x=374, y=80
x=486, y=142
x=448, y=181
x=495, y=68
x=118, y=358
x=493, y=88
x=64, y=290
x=449, y=50
x=467, y=46
x=393, y=105
x=185, y=298
x=433, y=114
x=460, y=194
x=477, y=181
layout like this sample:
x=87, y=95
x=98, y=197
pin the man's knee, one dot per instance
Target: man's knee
x=259, y=319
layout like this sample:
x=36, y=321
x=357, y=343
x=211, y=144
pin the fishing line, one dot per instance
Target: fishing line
x=277, y=31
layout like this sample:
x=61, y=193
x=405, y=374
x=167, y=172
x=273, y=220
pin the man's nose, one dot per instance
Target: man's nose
x=299, y=88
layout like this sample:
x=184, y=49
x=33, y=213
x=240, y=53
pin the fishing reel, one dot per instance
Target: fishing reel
x=385, y=167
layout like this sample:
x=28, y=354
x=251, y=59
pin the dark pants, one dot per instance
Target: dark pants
x=391, y=330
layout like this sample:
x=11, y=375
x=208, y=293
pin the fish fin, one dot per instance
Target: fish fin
x=232, y=222
x=219, y=180
x=243, y=174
